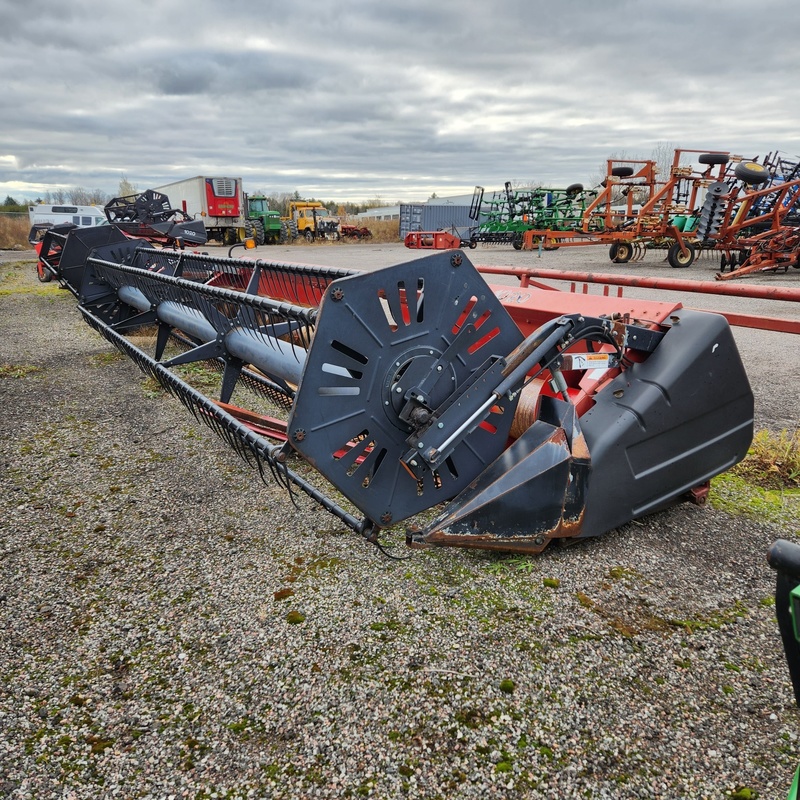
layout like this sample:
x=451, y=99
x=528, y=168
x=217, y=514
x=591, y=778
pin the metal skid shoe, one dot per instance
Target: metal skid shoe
x=532, y=493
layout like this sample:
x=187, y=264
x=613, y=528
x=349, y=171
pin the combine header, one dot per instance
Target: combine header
x=516, y=416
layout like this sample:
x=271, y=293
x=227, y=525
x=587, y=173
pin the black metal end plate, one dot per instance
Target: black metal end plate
x=373, y=328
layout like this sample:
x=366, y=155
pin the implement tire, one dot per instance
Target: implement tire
x=751, y=173
x=624, y=253
x=713, y=158
x=42, y=273
x=678, y=259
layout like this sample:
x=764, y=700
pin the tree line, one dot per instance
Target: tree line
x=80, y=196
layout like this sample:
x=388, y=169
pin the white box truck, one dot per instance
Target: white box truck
x=219, y=202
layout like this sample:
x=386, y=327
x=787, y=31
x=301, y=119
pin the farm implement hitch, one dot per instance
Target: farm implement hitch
x=518, y=417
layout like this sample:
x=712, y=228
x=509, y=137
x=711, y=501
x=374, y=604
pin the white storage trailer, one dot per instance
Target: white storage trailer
x=219, y=202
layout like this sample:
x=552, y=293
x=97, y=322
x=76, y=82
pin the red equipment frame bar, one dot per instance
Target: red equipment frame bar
x=701, y=287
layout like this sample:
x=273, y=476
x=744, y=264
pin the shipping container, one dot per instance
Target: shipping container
x=429, y=217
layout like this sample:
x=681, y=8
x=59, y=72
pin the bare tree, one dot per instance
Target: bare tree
x=78, y=196
x=55, y=197
x=663, y=154
x=126, y=188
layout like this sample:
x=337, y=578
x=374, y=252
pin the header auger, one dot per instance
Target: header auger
x=518, y=416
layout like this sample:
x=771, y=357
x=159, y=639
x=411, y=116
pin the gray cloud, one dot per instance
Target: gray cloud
x=396, y=99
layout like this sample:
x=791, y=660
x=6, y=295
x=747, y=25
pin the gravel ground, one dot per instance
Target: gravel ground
x=149, y=649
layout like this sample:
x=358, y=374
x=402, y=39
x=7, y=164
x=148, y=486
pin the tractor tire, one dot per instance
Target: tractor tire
x=573, y=190
x=624, y=253
x=309, y=234
x=713, y=158
x=258, y=232
x=249, y=233
x=678, y=259
x=751, y=173
x=42, y=273
x=622, y=172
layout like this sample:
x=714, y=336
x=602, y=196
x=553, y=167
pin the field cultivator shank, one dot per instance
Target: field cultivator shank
x=521, y=417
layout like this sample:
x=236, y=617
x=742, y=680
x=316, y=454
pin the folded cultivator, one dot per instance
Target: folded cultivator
x=709, y=201
x=515, y=416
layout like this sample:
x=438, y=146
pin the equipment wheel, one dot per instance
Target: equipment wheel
x=612, y=251
x=622, y=172
x=258, y=232
x=473, y=243
x=516, y=242
x=42, y=273
x=678, y=259
x=573, y=190
x=751, y=172
x=624, y=253
x=713, y=158
x=309, y=234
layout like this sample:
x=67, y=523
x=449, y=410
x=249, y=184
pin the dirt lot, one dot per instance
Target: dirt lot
x=171, y=626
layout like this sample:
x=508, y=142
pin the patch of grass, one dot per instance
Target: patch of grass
x=17, y=370
x=773, y=460
x=766, y=483
x=152, y=388
x=736, y=495
x=742, y=793
x=512, y=563
x=200, y=376
x=111, y=357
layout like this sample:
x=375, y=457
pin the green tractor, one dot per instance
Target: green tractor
x=263, y=224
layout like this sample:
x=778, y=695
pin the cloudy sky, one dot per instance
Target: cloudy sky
x=353, y=100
